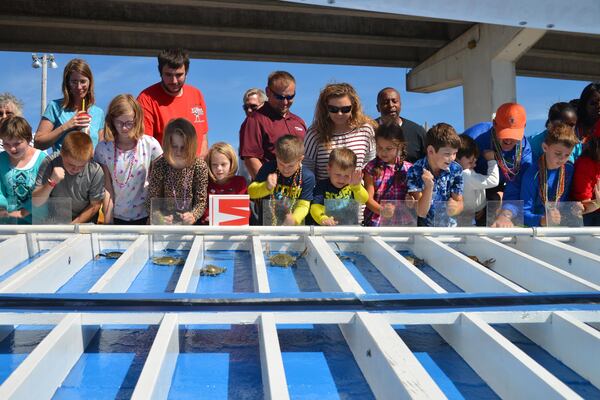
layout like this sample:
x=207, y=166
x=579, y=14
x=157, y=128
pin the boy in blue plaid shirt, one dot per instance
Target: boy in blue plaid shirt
x=437, y=177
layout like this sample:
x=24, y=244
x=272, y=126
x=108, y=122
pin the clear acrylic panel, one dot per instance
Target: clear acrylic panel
x=443, y=216
x=275, y=212
x=56, y=211
x=564, y=214
x=343, y=211
x=505, y=214
x=168, y=211
x=398, y=213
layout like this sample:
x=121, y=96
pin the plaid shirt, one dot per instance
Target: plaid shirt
x=389, y=182
x=444, y=185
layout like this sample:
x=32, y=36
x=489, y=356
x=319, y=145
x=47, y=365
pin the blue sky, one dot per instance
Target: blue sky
x=224, y=82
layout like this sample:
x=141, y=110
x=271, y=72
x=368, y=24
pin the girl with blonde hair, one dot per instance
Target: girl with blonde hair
x=126, y=156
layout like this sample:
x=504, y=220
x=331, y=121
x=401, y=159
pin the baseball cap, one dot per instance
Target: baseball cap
x=510, y=121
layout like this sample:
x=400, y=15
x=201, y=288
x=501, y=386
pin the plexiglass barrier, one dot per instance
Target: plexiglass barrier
x=170, y=211
x=564, y=214
x=278, y=212
x=343, y=211
x=398, y=213
x=56, y=211
x=505, y=214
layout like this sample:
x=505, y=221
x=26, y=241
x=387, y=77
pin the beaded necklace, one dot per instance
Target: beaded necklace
x=543, y=176
x=183, y=204
x=297, y=176
x=509, y=169
x=130, y=161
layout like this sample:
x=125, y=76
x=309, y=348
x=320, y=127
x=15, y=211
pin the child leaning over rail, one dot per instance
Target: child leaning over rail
x=344, y=183
x=437, y=177
x=547, y=181
x=284, y=178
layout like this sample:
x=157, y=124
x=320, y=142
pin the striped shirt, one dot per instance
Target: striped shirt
x=360, y=140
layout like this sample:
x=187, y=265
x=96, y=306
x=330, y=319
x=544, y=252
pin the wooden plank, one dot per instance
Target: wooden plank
x=46, y=367
x=508, y=371
x=190, y=274
x=271, y=362
x=572, y=342
x=568, y=258
x=48, y=273
x=388, y=365
x=459, y=269
x=403, y=275
x=328, y=270
x=13, y=251
x=259, y=267
x=524, y=269
x=156, y=376
x=123, y=272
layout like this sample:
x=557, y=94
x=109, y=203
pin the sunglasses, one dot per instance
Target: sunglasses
x=252, y=107
x=280, y=97
x=335, y=110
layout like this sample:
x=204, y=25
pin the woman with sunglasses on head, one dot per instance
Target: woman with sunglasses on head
x=125, y=157
x=76, y=111
x=339, y=122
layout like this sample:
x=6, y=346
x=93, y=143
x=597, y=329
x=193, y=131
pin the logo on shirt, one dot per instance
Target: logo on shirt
x=344, y=193
x=299, y=129
x=197, y=111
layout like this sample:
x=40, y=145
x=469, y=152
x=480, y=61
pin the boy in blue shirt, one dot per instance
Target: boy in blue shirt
x=437, y=177
x=547, y=180
x=283, y=178
x=344, y=182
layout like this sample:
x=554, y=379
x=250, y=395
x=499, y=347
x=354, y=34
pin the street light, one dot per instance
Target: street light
x=42, y=61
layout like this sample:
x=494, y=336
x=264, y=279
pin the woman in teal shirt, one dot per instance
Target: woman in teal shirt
x=75, y=111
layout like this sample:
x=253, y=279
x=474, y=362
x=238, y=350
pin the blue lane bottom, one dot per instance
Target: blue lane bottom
x=21, y=265
x=218, y=364
x=569, y=377
x=158, y=278
x=438, y=278
x=110, y=366
x=292, y=279
x=449, y=371
x=15, y=347
x=319, y=365
x=236, y=279
x=87, y=276
x=366, y=274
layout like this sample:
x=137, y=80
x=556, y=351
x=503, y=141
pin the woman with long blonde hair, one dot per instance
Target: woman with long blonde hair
x=339, y=121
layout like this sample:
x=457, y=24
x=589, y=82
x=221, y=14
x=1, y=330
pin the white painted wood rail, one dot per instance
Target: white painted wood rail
x=271, y=361
x=190, y=274
x=13, y=251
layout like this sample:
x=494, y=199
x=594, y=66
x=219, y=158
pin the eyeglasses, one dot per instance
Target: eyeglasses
x=121, y=124
x=82, y=82
x=252, y=107
x=335, y=110
x=281, y=97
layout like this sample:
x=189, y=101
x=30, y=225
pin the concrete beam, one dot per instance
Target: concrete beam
x=482, y=60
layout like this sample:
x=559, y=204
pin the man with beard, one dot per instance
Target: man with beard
x=171, y=98
x=389, y=106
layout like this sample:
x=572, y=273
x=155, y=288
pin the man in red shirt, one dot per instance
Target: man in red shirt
x=263, y=127
x=171, y=98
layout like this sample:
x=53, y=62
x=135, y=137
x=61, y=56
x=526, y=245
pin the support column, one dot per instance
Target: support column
x=482, y=60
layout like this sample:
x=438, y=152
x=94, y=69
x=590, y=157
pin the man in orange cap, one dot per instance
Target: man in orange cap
x=504, y=136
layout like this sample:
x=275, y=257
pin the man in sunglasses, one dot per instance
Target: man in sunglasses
x=171, y=98
x=253, y=100
x=263, y=127
x=389, y=106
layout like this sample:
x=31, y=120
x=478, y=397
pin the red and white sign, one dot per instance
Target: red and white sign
x=229, y=209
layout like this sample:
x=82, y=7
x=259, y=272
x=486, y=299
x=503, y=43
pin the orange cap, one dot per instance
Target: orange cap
x=510, y=121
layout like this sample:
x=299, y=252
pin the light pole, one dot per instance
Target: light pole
x=42, y=61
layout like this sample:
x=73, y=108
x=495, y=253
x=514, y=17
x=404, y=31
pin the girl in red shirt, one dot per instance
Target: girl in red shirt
x=586, y=180
x=223, y=164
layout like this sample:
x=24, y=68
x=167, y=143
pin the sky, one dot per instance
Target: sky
x=223, y=83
